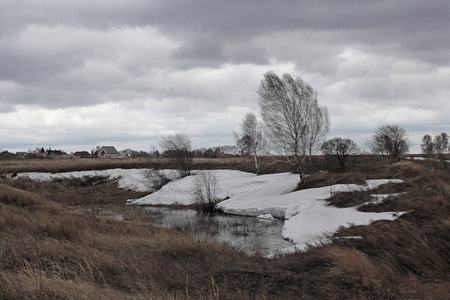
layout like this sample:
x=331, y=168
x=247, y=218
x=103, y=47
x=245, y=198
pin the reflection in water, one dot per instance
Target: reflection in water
x=248, y=234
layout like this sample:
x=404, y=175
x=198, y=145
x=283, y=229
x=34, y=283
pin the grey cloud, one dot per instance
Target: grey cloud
x=235, y=22
x=205, y=48
x=82, y=53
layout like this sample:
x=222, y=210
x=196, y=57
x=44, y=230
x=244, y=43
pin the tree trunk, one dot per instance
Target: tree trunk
x=256, y=164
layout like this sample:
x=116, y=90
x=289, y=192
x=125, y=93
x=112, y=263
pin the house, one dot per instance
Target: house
x=5, y=155
x=57, y=154
x=40, y=155
x=108, y=152
x=21, y=155
x=128, y=153
x=82, y=154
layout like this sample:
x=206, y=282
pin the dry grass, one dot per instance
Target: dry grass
x=268, y=164
x=49, y=250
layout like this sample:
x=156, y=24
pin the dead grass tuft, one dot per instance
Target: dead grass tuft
x=355, y=266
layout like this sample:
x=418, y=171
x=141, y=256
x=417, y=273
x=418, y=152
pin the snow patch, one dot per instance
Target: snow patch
x=131, y=179
x=266, y=216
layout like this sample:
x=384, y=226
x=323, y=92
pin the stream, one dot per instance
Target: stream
x=250, y=235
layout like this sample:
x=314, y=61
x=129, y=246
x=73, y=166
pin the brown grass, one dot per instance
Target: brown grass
x=50, y=250
x=268, y=164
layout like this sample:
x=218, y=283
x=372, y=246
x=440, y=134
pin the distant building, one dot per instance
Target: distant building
x=21, y=155
x=5, y=155
x=128, y=153
x=108, y=152
x=57, y=154
x=40, y=155
x=81, y=154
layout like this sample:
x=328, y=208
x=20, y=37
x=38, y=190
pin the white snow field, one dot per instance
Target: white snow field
x=307, y=217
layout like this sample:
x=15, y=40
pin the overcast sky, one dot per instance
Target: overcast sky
x=76, y=74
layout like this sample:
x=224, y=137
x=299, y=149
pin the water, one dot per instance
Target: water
x=248, y=234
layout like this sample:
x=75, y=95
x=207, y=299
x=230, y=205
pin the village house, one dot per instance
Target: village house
x=57, y=154
x=108, y=152
x=5, y=155
x=21, y=154
x=81, y=154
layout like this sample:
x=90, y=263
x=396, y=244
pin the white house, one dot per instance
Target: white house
x=108, y=152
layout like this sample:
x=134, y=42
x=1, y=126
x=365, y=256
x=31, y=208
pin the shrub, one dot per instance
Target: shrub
x=204, y=190
x=157, y=178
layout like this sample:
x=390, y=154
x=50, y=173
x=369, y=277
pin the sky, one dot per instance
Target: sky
x=80, y=74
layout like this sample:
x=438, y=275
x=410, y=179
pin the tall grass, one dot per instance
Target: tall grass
x=269, y=164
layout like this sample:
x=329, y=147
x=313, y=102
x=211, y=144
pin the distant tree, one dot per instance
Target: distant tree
x=441, y=142
x=244, y=143
x=390, y=140
x=296, y=123
x=340, y=149
x=252, y=141
x=435, y=147
x=178, y=148
x=428, y=147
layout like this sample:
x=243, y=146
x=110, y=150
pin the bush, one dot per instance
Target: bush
x=204, y=191
x=157, y=178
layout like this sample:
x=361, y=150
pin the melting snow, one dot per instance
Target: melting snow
x=307, y=216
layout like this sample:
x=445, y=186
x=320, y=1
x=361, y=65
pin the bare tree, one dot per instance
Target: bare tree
x=252, y=138
x=296, y=123
x=435, y=147
x=341, y=149
x=178, y=148
x=389, y=140
x=244, y=144
x=441, y=142
x=428, y=147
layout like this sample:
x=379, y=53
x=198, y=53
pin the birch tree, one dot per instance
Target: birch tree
x=441, y=142
x=428, y=146
x=296, y=123
x=252, y=138
x=435, y=147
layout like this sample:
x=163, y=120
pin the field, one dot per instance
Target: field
x=52, y=247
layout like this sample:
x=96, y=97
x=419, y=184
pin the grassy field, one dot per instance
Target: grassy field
x=52, y=249
x=269, y=164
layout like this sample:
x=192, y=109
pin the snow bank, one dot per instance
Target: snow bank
x=132, y=179
x=308, y=218
x=231, y=184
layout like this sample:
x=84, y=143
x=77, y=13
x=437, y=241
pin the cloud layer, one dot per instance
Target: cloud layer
x=81, y=73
